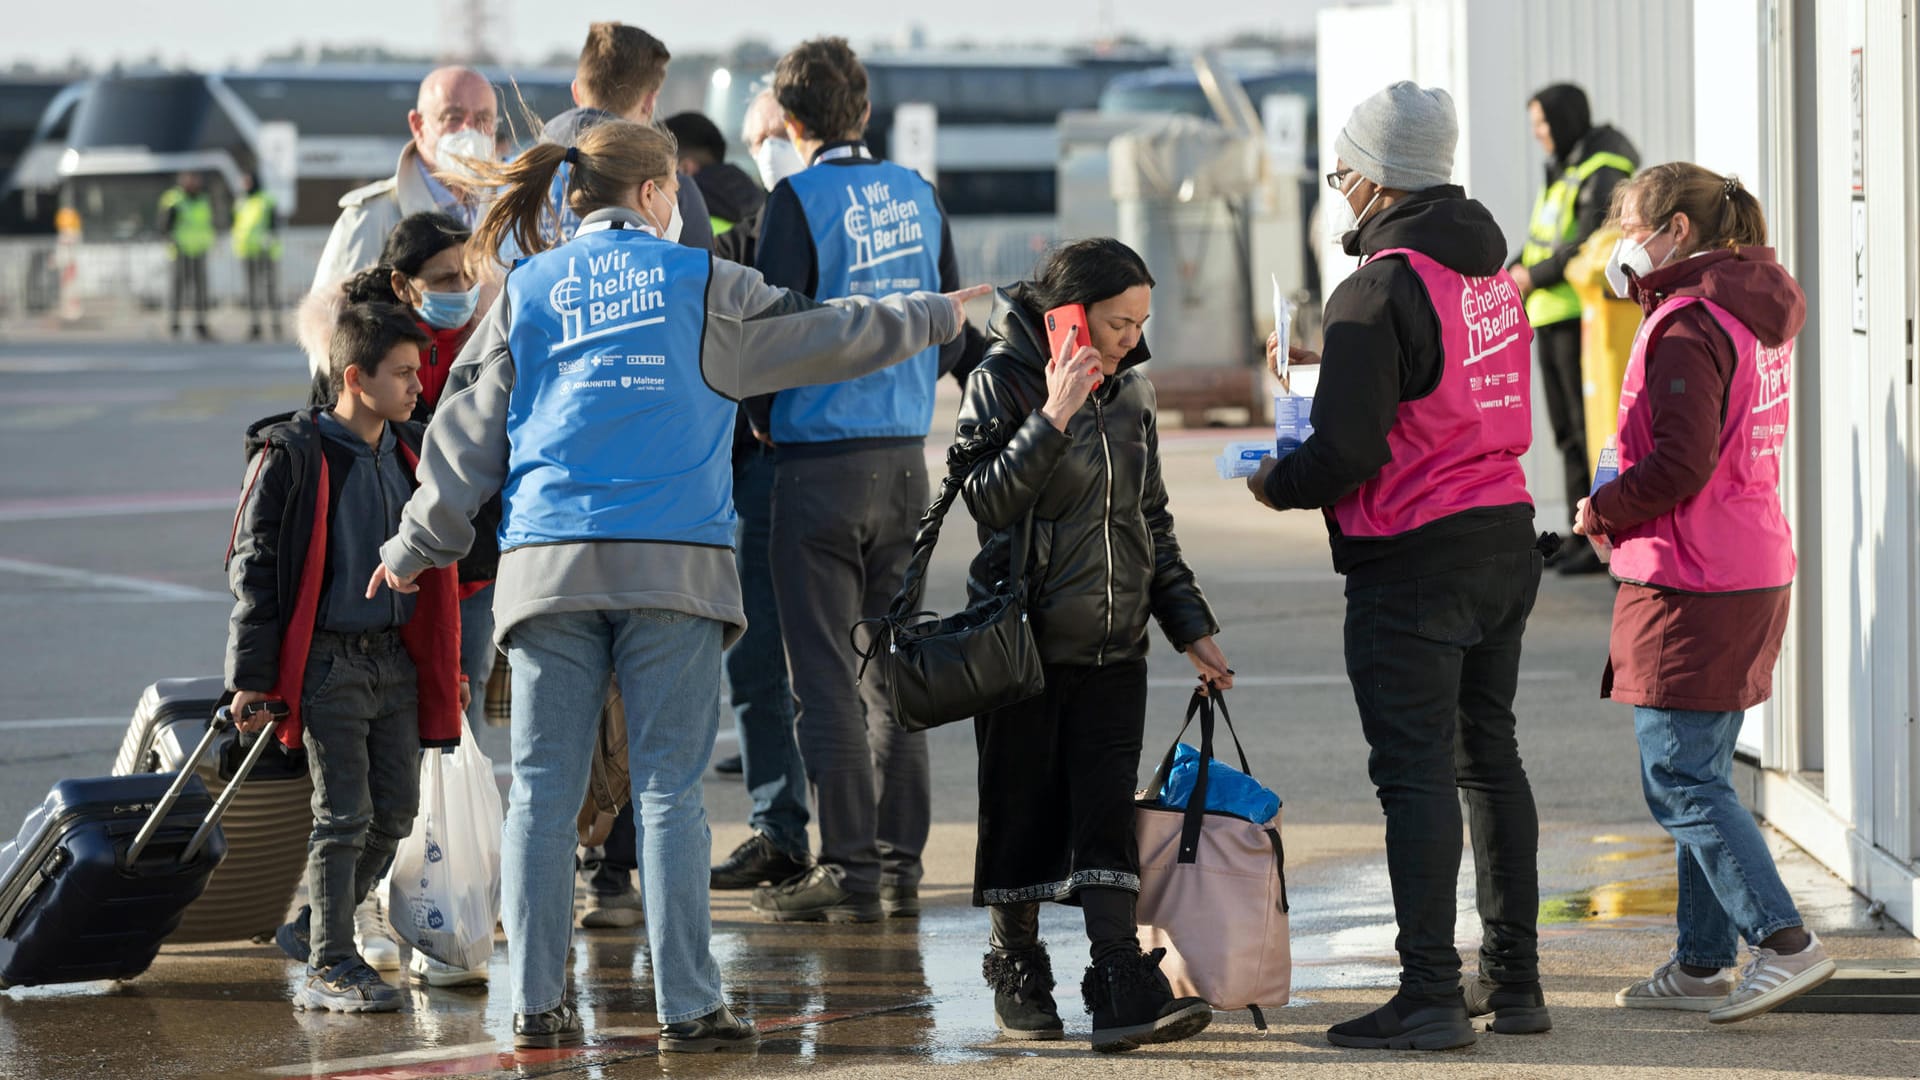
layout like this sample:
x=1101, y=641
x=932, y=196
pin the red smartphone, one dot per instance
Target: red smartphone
x=1061, y=321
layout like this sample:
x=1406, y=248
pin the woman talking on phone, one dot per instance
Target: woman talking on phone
x=1068, y=435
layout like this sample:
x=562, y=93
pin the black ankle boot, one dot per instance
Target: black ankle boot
x=1022, y=981
x=1133, y=1005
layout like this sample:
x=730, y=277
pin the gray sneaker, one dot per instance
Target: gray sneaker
x=613, y=910
x=1670, y=988
x=347, y=987
x=1770, y=980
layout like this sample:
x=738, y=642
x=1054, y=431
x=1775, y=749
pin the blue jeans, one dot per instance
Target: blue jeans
x=775, y=776
x=1728, y=884
x=668, y=666
x=477, y=651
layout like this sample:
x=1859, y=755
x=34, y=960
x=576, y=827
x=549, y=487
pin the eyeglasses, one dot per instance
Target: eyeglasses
x=1338, y=180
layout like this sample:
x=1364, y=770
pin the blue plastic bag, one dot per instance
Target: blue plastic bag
x=1229, y=791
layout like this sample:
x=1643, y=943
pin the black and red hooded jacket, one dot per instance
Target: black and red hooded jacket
x=294, y=476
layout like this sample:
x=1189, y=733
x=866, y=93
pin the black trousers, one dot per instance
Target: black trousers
x=1434, y=663
x=190, y=273
x=843, y=527
x=1565, y=390
x=263, y=294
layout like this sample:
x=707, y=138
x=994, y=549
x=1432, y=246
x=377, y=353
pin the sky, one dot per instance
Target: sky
x=219, y=33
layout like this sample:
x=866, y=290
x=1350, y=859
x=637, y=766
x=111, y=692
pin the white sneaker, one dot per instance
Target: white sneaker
x=434, y=973
x=373, y=938
x=1770, y=980
x=1670, y=988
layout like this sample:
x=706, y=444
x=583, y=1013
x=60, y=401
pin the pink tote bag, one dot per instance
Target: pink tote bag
x=1213, y=888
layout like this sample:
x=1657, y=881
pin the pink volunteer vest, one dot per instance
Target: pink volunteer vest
x=1733, y=535
x=1459, y=447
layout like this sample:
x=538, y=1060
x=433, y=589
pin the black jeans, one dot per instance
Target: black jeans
x=263, y=293
x=843, y=527
x=1565, y=390
x=362, y=734
x=1434, y=663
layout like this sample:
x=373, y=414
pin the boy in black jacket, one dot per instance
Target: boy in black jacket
x=367, y=681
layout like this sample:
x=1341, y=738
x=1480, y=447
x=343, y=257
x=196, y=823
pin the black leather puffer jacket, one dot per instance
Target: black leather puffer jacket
x=1104, y=556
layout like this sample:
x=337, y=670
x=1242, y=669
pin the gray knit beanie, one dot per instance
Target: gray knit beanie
x=1402, y=138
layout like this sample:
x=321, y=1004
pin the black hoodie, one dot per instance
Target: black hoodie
x=1383, y=347
x=1575, y=139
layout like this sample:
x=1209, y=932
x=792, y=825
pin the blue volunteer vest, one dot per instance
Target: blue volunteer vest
x=876, y=232
x=612, y=430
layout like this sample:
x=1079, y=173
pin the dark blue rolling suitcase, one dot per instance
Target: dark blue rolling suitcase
x=102, y=871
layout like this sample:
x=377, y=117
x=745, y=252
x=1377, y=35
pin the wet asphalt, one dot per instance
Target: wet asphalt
x=123, y=459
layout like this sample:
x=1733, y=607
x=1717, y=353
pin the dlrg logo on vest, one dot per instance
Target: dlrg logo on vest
x=614, y=291
x=880, y=227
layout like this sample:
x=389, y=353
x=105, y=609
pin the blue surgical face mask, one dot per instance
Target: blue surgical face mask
x=448, y=310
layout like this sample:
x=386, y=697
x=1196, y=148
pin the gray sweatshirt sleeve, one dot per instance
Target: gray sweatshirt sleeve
x=761, y=339
x=463, y=461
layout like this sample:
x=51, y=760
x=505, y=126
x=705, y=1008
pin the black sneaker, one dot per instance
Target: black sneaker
x=730, y=766
x=544, y=1031
x=1517, y=1008
x=1022, y=982
x=1133, y=1004
x=756, y=862
x=1408, y=1023
x=815, y=895
x=347, y=987
x=295, y=938
x=900, y=901
x=718, y=1030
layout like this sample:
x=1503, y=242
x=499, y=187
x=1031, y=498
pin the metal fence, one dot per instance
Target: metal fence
x=125, y=277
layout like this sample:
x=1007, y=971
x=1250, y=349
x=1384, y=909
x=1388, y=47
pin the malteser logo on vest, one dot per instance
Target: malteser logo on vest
x=881, y=228
x=1492, y=310
x=614, y=296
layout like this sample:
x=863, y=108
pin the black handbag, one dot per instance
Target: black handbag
x=936, y=670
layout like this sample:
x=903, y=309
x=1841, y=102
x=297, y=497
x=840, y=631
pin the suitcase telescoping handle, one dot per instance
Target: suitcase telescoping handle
x=220, y=722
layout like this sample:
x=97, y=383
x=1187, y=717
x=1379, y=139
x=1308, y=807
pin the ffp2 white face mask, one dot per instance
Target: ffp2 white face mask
x=1631, y=255
x=777, y=159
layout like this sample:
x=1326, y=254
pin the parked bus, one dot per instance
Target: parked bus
x=123, y=138
x=996, y=146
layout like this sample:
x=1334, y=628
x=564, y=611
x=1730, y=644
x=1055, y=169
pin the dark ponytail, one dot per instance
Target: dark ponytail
x=418, y=238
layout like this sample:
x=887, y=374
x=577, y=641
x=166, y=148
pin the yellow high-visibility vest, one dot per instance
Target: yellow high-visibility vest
x=1555, y=223
x=192, y=223
x=253, y=234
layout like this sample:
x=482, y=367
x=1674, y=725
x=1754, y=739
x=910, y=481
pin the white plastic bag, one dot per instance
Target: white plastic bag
x=443, y=893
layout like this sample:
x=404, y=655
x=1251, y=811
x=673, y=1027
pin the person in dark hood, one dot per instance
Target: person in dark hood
x=1585, y=162
x=1420, y=419
x=731, y=194
x=1070, y=438
x=1704, y=557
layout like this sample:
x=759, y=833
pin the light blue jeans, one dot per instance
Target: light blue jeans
x=668, y=667
x=1729, y=887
